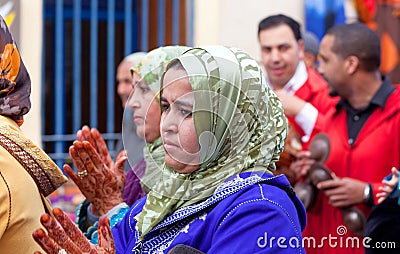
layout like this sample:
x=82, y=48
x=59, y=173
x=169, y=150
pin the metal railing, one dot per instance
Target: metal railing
x=83, y=42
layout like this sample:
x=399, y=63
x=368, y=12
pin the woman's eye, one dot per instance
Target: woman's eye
x=164, y=107
x=144, y=89
x=186, y=113
x=135, y=84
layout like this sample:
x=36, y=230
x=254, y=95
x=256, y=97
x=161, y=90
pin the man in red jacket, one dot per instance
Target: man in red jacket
x=303, y=92
x=364, y=130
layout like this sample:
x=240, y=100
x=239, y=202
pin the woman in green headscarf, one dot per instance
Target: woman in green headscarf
x=103, y=182
x=222, y=130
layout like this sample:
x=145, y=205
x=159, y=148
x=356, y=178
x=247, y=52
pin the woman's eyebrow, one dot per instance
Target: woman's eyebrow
x=178, y=102
x=142, y=83
x=183, y=103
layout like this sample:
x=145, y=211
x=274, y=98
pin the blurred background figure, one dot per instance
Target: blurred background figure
x=383, y=16
x=311, y=47
x=303, y=92
x=129, y=141
x=108, y=191
x=68, y=197
x=361, y=155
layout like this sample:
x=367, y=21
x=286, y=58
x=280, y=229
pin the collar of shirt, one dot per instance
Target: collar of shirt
x=298, y=79
x=379, y=98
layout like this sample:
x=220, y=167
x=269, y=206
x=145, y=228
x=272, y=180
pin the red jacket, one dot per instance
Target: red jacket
x=375, y=151
x=316, y=92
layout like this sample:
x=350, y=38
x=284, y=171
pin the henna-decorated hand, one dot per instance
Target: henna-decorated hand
x=102, y=186
x=94, y=137
x=65, y=235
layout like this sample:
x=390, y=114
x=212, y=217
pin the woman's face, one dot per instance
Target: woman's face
x=177, y=127
x=146, y=110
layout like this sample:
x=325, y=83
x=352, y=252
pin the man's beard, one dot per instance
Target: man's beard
x=333, y=93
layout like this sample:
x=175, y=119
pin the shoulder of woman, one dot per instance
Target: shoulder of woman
x=258, y=195
x=261, y=204
x=31, y=157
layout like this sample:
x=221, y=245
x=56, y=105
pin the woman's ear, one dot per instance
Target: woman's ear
x=351, y=64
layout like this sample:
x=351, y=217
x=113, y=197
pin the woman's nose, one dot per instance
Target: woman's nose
x=169, y=122
x=133, y=101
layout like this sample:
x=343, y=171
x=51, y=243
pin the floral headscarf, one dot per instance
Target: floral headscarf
x=15, y=84
x=240, y=127
x=150, y=69
x=152, y=66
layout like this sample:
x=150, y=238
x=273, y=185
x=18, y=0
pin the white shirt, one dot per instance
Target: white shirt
x=307, y=117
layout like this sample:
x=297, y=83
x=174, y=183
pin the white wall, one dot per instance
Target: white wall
x=235, y=22
x=30, y=46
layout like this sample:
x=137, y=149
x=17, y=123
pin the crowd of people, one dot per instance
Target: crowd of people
x=213, y=124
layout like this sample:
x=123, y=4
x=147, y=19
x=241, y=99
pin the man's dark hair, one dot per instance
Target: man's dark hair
x=357, y=40
x=280, y=19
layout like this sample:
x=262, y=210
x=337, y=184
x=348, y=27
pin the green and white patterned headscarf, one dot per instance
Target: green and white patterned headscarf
x=240, y=126
x=150, y=69
x=152, y=66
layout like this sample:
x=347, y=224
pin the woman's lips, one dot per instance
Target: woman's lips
x=170, y=145
x=137, y=118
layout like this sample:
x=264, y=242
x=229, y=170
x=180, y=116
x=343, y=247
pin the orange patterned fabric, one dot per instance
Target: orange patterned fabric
x=15, y=84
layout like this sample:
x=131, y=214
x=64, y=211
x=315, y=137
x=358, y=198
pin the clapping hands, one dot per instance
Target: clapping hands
x=99, y=179
x=64, y=237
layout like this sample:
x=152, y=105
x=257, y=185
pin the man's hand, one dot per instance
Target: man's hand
x=292, y=105
x=302, y=164
x=343, y=192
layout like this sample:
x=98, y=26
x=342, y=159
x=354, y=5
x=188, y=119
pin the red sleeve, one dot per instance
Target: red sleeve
x=375, y=190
